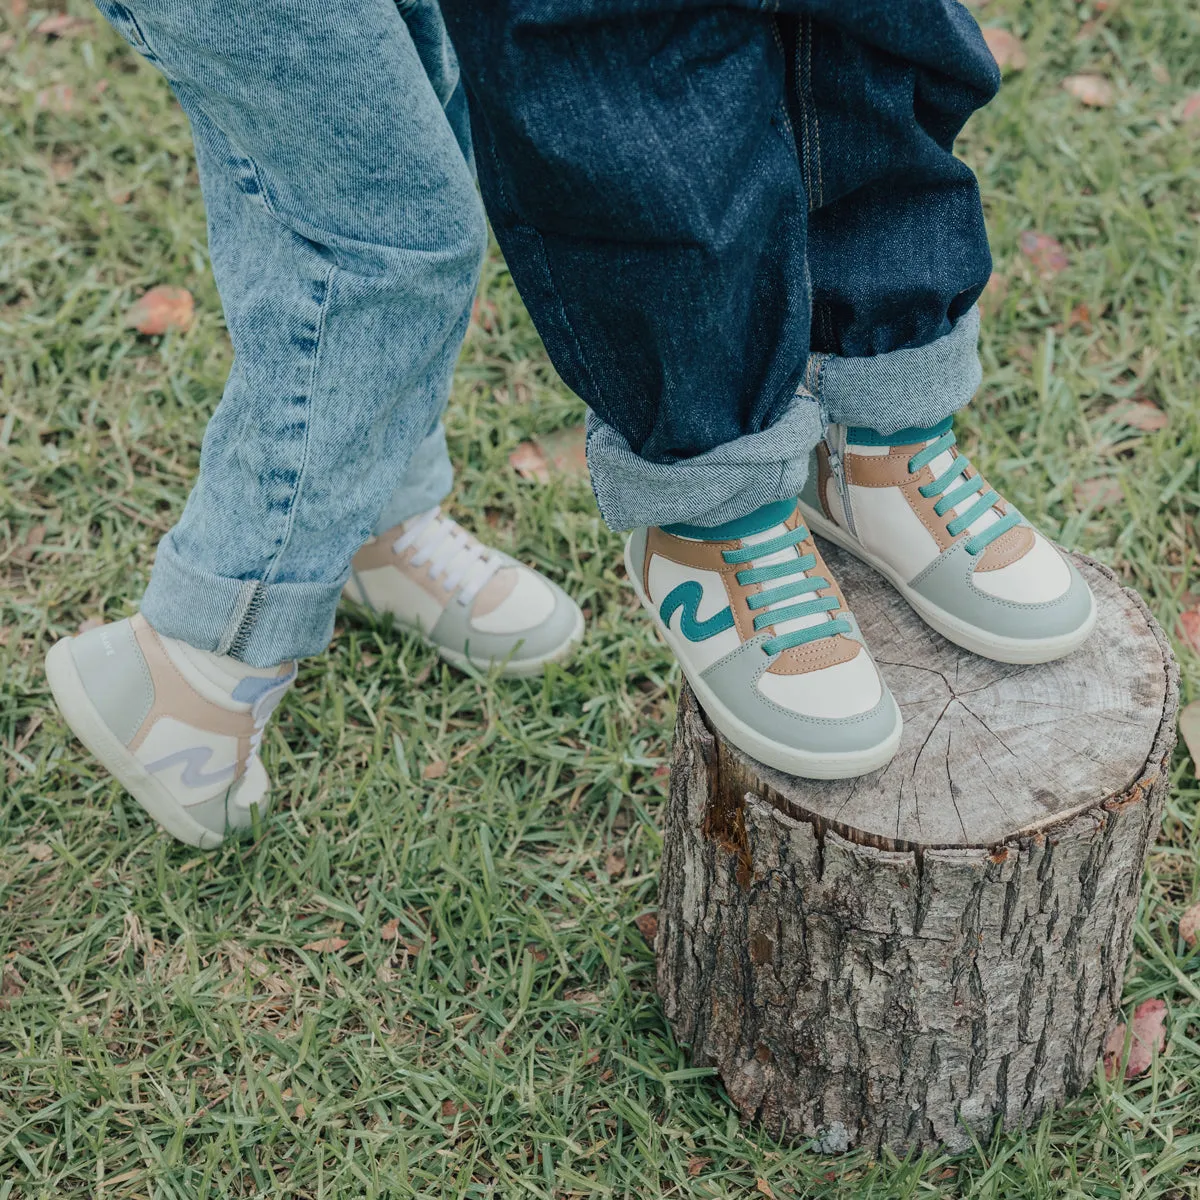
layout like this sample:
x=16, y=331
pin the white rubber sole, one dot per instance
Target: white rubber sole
x=89, y=727
x=807, y=764
x=1019, y=651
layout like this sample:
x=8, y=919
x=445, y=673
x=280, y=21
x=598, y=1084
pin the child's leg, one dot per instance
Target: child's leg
x=346, y=237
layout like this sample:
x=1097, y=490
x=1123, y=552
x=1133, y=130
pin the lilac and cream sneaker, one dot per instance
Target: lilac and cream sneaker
x=178, y=727
x=473, y=604
x=912, y=506
x=764, y=637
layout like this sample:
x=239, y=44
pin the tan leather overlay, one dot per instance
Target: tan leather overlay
x=175, y=697
x=1008, y=548
x=494, y=592
x=880, y=470
x=379, y=552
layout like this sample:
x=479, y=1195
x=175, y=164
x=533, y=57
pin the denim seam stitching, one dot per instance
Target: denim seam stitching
x=787, y=120
x=312, y=381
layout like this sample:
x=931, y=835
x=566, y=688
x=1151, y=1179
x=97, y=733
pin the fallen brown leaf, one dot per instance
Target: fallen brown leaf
x=35, y=535
x=62, y=25
x=1188, y=629
x=390, y=930
x=1140, y=414
x=1148, y=1035
x=1099, y=492
x=435, y=770
x=1007, y=49
x=1093, y=90
x=12, y=985
x=39, y=851
x=1191, y=108
x=696, y=1164
x=530, y=463
x=1080, y=317
x=327, y=944
x=614, y=866
x=563, y=452
x=160, y=309
x=647, y=925
x=761, y=1185
x=1189, y=926
x=1045, y=252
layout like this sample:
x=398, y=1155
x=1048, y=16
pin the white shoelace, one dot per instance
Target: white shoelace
x=463, y=564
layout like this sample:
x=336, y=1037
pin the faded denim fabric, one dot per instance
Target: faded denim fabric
x=346, y=236
x=726, y=218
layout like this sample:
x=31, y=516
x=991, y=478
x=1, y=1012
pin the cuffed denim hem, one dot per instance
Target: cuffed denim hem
x=906, y=389
x=887, y=392
x=262, y=624
x=427, y=483
x=719, y=485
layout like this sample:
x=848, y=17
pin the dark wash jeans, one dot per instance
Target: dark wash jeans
x=732, y=223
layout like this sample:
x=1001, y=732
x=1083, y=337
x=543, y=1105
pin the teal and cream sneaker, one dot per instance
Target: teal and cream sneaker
x=473, y=604
x=765, y=639
x=913, y=506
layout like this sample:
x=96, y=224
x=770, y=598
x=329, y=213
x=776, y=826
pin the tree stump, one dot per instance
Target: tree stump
x=939, y=946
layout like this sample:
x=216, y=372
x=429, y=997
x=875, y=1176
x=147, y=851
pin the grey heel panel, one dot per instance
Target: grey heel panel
x=115, y=677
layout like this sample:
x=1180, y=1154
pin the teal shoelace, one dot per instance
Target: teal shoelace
x=952, y=499
x=799, y=584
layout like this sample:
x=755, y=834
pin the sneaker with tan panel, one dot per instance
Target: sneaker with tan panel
x=472, y=603
x=912, y=506
x=765, y=639
x=178, y=727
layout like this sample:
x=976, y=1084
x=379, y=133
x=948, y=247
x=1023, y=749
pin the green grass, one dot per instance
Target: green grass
x=163, y=1030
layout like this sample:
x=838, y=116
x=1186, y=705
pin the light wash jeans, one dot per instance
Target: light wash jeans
x=346, y=236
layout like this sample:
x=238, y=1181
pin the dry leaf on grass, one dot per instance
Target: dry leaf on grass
x=1093, y=90
x=1189, y=926
x=647, y=925
x=34, y=537
x=435, y=770
x=1098, y=493
x=160, y=309
x=1140, y=414
x=12, y=985
x=696, y=1164
x=1045, y=252
x=1148, y=1035
x=327, y=944
x=1007, y=49
x=1188, y=629
x=390, y=931
x=761, y=1185
x=39, y=851
x=614, y=866
x=1080, y=317
x=1191, y=108
x=563, y=452
x=63, y=25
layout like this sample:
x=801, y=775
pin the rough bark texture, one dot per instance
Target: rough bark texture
x=951, y=953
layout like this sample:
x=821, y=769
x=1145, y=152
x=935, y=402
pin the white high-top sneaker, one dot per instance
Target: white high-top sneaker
x=767, y=643
x=971, y=566
x=179, y=727
x=473, y=604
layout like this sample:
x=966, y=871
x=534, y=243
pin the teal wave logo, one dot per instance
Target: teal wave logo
x=687, y=596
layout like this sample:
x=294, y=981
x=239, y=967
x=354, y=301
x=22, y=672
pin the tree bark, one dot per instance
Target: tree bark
x=912, y=957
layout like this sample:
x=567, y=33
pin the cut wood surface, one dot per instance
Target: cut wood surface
x=910, y=957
